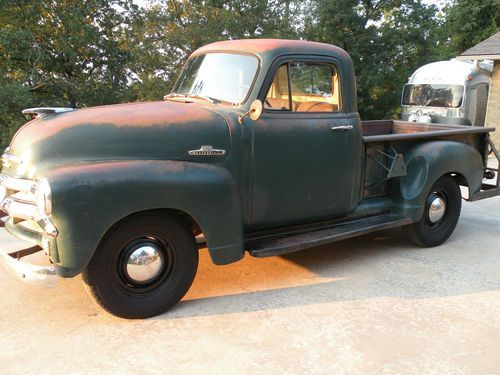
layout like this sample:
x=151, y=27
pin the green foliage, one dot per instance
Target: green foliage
x=387, y=41
x=65, y=52
x=471, y=21
x=170, y=30
x=14, y=96
x=91, y=52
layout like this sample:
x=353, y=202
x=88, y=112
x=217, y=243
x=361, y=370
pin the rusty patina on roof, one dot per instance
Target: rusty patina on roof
x=487, y=49
x=272, y=47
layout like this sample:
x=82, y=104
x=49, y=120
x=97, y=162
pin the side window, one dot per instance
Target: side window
x=314, y=87
x=277, y=97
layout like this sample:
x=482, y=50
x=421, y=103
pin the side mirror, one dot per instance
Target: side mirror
x=254, y=112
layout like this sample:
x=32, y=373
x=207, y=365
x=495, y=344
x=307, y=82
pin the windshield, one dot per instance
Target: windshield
x=449, y=96
x=219, y=76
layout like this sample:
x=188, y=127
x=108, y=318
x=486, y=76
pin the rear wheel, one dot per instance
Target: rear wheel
x=441, y=213
x=144, y=266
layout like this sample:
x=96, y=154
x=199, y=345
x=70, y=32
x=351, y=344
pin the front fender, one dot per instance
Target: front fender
x=88, y=199
x=425, y=164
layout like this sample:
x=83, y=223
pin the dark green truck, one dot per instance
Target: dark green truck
x=259, y=148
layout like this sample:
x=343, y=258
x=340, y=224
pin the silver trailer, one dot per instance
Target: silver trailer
x=448, y=92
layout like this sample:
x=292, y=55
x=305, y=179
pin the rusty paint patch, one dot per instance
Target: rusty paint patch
x=144, y=114
x=271, y=46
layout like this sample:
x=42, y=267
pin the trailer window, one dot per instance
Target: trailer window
x=426, y=95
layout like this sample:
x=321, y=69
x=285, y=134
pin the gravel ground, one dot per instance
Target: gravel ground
x=374, y=304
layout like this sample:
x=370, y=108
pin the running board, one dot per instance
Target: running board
x=266, y=247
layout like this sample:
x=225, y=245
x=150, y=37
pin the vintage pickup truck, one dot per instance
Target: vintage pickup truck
x=258, y=148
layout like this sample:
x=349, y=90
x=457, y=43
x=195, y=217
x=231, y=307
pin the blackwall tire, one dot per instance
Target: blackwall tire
x=143, y=267
x=434, y=229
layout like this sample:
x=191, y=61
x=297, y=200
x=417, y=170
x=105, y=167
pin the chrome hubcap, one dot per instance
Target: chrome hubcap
x=144, y=264
x=437, y=209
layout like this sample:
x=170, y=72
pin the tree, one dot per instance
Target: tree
x=410, y=35
x=71, y=51
x=91, y=52
x=64, y=52
x=471, y=21
x=168, y=31
x=387, y=40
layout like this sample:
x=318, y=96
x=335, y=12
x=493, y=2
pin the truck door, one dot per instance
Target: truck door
x=306, y=150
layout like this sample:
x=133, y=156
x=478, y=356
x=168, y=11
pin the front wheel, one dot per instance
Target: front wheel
x=144, y=266
x=441, y=213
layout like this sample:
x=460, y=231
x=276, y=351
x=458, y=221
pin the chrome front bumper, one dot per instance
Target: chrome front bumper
x=10, y=261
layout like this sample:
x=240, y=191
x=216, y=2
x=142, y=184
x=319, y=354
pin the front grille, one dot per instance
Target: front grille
x=18, y=199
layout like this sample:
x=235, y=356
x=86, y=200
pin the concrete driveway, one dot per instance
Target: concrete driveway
x=374, y=304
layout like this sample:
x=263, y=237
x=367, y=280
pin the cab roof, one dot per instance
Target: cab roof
x=271, y=48
x=267, y=50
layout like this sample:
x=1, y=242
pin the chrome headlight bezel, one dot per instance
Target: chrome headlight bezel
x=9, y=159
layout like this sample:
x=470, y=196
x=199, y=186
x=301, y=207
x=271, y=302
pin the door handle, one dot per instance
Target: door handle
x=342, y=127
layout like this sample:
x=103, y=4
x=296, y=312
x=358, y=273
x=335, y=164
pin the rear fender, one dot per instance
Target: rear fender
x=425, y=164
x=88, y=199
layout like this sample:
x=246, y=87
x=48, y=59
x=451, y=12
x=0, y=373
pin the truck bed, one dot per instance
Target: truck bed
x=385, y=139
x=391, y=130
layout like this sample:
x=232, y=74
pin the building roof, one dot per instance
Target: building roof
x=488, y=49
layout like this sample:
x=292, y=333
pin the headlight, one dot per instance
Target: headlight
x=43, y=198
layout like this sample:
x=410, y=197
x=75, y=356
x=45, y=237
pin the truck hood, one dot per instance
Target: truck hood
x=149, y=131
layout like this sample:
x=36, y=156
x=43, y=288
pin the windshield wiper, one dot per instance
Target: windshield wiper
x=210, y=99
x=194, y=96
x=207, y=98
x=173, y=95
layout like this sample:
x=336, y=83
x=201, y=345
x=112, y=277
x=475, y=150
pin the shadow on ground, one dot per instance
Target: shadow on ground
x=377, y=265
